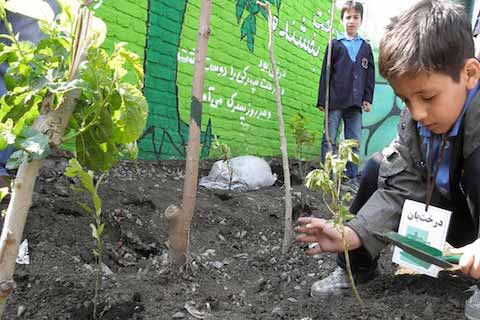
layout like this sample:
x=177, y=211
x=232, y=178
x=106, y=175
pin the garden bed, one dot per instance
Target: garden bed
x=238, y=271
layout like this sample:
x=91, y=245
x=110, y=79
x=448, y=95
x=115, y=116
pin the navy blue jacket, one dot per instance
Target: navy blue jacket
x=351, y=83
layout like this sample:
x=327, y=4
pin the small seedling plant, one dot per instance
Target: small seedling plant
x=303, y=139
x=90, y=186
x=329, y=180
x=223, y=151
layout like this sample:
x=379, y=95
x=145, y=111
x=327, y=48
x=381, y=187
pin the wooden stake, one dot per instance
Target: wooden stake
x=180, y=240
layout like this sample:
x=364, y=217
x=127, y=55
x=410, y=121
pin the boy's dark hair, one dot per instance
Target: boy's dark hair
x=431, y=36
x=355, y=5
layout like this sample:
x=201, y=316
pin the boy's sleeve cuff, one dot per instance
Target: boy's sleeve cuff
x=370, y=242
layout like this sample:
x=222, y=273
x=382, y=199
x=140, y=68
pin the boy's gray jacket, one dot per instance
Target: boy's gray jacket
x=403, y=175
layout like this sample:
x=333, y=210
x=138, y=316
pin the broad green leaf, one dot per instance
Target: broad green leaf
x=130, y=119
x=131, y=58
x=64, y=86
x=91, y=155
x=96, y=71
x=16, y=159
x=35, y=143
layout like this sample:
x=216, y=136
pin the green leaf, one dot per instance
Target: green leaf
x=250, y=42
x=6, y=134
x=252, y=7
x=16, y=159
x=129, y=121
x=248, y=30
x=244, y=29
x=100, y=229
x=263, y=11
x=3, y=193
x=94, y=232
x=85, y=207
x=64, y=86
x=240, y=7
x=75, y=170
x=94, y=155
x=34, y=143
x=10, y=82
x=131, y=58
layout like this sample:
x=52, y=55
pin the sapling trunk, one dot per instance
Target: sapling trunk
x=179, y=223
x=288, y=235
x=302, y=175
x=328, y=76
x=349, y=266
x=329, y=180
x=329, y=143
x=52, y=122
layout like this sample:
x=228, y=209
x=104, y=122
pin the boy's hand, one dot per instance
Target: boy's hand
x=321, y=108
x=367, y=107
x=329, y=239
x=470, y=260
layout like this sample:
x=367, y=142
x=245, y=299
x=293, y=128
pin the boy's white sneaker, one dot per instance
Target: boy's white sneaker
x=338, y=283
x=472, y=305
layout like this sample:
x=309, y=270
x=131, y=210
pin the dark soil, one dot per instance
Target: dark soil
x=238, y=270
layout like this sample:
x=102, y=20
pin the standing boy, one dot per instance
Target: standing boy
x=427, y=55
x=352, y=81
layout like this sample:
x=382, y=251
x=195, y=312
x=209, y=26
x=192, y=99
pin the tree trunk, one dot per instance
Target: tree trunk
x=51, y=122
x=288, y=234
x=179, y=227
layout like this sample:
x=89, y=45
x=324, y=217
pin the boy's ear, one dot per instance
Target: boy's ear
x=471, y=72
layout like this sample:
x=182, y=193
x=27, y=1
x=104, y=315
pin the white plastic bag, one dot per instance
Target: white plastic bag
x=242, y=173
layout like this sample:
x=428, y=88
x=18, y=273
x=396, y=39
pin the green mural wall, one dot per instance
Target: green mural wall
x=239, y=98
x=239, y=104
x=166, y=135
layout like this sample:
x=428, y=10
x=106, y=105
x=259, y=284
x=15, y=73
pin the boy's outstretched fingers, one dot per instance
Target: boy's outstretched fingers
x=310, y=225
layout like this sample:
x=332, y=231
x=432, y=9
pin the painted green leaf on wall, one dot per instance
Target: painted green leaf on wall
x=249, y=28
x=240, y=8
